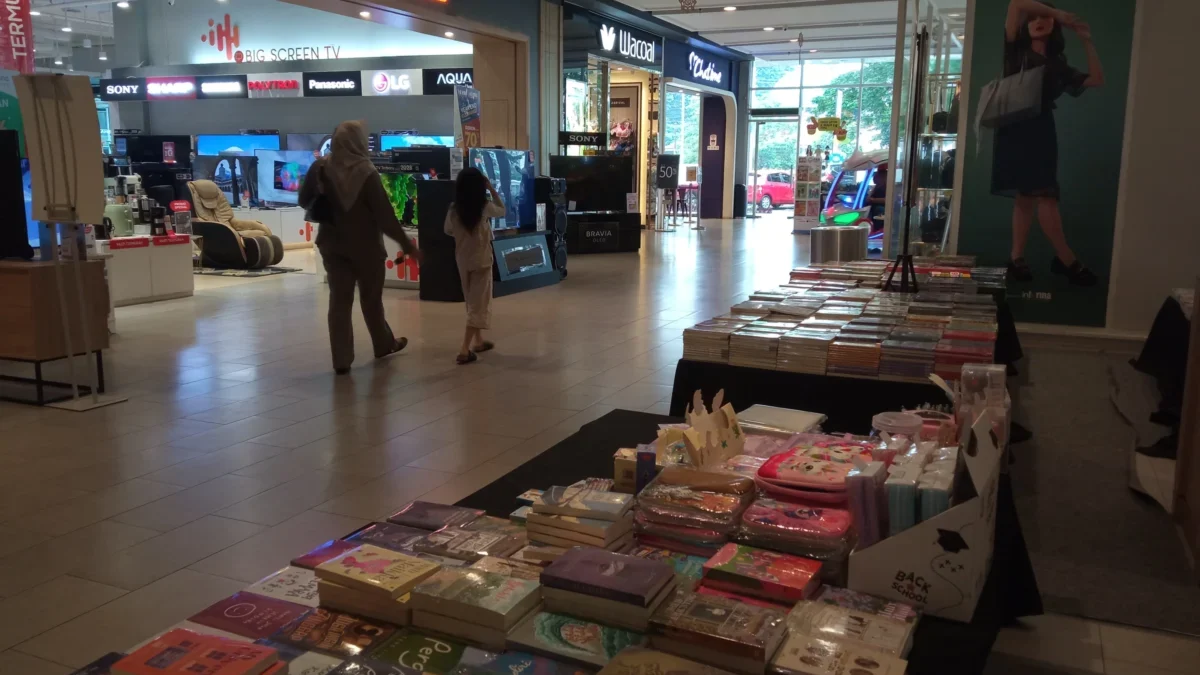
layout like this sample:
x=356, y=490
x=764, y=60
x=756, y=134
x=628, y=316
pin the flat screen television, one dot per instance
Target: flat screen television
x=512, y=173
x=595, y=183
x=235, y=175
x=401, y=189
x=390, y=141
x=318, y=144
x=152, y=149
x=280, y=175
x=235, y=144
x=31, y=225
x=433, y=163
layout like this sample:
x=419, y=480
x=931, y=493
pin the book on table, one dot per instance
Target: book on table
x=388, y=535
x=565, y=539
x=371, y=605
x=422, y=653
x=293, y=584
x=537, y=553
x=327, y=551
x=603, y=610
x=642, y=661
x=249, y=615
x=515, y=663
x=300, y=661
x=470, y=545
x=335, y=633
x=605, y=574
x=806, y=655
x=593, y=528
x=571, y=639
x=766, y=574
x=430, y=516
x=584, y=502
x=851, y=627
x=481, y=598
x=508, y=567
x=376, y=570
x=721, y=631
x=181, y=652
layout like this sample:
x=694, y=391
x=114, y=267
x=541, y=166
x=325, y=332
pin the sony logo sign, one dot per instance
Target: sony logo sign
x=454, y=78
x=122, y=89
x=584, y=138
x=704, y=71
x=625, y=43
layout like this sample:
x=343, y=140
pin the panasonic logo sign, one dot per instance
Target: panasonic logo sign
x=703, y=70
x=454, y=78
x=122, y=89
x=332, y=85
x=626, y=44
x=170, y=88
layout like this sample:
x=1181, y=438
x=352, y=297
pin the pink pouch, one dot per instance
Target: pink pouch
x=796, y=522
x=692, y=535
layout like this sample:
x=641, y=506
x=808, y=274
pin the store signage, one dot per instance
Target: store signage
x=667, y=176
x=441, y=81
x=336, y=83
x=582, y=138
x=128, y=89
x=16, y=37
x=623, y=102
x=392, y=82
x=274, y=85
x=634, y=48
x=170, y=88
x=221, y=86
x=600, y=236
x=704, y=70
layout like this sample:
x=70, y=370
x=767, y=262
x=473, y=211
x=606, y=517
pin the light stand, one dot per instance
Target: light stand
x=904, y=260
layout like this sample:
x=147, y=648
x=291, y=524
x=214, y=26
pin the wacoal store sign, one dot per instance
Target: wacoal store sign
x=600, y=36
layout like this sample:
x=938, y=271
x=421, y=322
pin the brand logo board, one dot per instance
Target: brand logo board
x=441, y=81
x=127, y=89
x=170, y=88
x=582, y=138
x=625, y=45
x=704, y=70
x=335, y=83
x=392, y=82
x=274, y=85
x=221, y=86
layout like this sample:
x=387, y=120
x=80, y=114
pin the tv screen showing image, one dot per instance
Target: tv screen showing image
x=595, y=183
x=401, y=189
x=318, y=144
x=390, y=141
x=151, y=149
x=281, y=174
x=512, y=173
x=31, y=225
x=235, y=144
x=236, y=176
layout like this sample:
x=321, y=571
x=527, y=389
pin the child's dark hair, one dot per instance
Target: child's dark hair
x=470, y=196
x=1056, y=44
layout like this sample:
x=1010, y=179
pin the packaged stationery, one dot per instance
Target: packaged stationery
x=852, y=627
x=767, y=574
x=818, y=532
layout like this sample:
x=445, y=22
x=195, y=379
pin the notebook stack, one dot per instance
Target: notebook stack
x=610, y=588
x=767, y=575
x=849, y=356
x=569, y=531
x=950, y=355
x=720, y=631
x=755, y=346
x=759, y=309
x=372, y=581
x=480, y=537
x=906, y=359
x=709, y=340
x=476, y=606
x=183, y=651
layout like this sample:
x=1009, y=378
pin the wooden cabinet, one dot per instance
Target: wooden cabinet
x=30, y=318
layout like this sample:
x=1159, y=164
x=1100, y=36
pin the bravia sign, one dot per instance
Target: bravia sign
x=274, y=85
x=392, y=82
x=441, y=81
x=126, y=89
x=334, y=83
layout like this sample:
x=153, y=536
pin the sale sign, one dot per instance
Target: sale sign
x=467, y=128
x=16, y=37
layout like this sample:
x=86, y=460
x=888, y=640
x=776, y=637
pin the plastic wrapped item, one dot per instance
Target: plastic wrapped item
x=934, y=490
x=985, y=381
x=744, y=465
x=814, y=471
x=766, y=445
x=901, y=489
x=817, y=532
x=905, y=424
x=867, y=501
x=690, y=497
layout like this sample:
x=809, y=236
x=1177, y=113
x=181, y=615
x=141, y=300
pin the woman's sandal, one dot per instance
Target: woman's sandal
x=397, y=346
x=484, y=346
x=469, y=358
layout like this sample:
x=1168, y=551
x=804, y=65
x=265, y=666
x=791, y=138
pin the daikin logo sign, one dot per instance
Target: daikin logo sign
x=626, y=44
x=704, y=70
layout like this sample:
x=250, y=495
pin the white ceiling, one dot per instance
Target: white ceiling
x=834, y=28
x=87, y=20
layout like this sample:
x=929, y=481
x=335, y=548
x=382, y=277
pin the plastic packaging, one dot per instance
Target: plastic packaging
x=817, y=532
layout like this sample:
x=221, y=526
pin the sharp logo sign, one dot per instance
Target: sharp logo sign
x=703, y=70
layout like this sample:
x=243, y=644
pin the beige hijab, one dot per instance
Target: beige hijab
x=349, y=165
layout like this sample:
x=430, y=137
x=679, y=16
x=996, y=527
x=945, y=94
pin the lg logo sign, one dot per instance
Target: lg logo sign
x=626, y=44
x=384, y=83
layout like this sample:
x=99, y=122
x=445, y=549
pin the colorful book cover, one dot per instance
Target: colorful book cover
x=177, y=649
x=101, y=666
x=605, y=574
x=293, y=584
x=388, y=535
x=327, y=551
x=687, y=566
x=335, y=633
x=574, y=639
x=508, y=567
x=250, y=615
x=474, y=588
x=721, y=624
x=421, y=653
x=640, y=661
x=807, y=655
x=584, y=502
x=767, y=574
x=739, y=597
x=520, y=514
x=374, y=569
x=301, y=662
x=516, y=663
x=430, y=516
x=868, y=604
x=530, y=497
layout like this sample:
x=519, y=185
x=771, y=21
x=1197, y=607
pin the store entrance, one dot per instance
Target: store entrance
x=770, y=188
x=681, y=136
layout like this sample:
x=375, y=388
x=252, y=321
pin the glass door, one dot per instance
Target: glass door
x=770, y=185
x=681, y=136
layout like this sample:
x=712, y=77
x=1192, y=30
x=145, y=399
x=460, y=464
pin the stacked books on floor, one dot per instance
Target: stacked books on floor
x=610, y=588
x=372, y=581
x=472, y=605
x=579, y=515
x=184, y=652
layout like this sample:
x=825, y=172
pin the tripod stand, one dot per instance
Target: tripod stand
x=904, y=260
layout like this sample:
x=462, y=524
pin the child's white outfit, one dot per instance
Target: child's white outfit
x=473, y=252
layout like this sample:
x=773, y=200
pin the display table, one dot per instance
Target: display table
x=149, y=269
x=939, y=646
x=287, y=223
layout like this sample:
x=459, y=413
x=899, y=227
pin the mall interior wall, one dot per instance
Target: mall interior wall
x=1157, y=241
x=430, y=115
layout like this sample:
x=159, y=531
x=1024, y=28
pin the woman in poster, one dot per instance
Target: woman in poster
x=1025, y=159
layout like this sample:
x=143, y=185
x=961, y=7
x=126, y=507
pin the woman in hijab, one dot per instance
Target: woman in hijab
x=354, y=214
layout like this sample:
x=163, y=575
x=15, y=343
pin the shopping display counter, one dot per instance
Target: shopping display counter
x=149, y=269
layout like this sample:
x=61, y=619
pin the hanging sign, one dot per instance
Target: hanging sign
x=582, y=138
x=274, y=85
x=126, y=89
x=335, y=83
x=831, y=124
x=406, y=82
x=608, y=39
x=16, y=37
x=221, y=86
x=684, y=61
x=170, y=88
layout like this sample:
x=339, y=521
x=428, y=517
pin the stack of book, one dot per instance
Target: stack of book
x=777, y=578
x=475, y=606
x=508, y=567
x=183, y=651
x=335, y=634
x=572, y=639
x=389, y=536
x=569, y=531
x=950, y=355
x=709, y=340
x=579, y=515
x=373, y=582
x=755, y=346
x=430, y=516
x=642, y=661
x=732, y=635
x=906, y=359
x=248, y=615
x=849, y=356
x=611, y=588
x=856, y=620
x=480, y=537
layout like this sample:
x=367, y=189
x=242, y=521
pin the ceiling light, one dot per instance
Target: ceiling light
x=449, y=34
x=102, y=56
x=58, y=60
x=812, y=51
x=34, y=12
x=794, y=40
x=123, y=4
x=731, y=8
x=87, y=43
x=66, y=29
x=365, y=14
x=768, y=28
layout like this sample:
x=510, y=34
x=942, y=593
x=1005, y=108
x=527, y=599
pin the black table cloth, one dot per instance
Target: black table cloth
x=939, y=647
x=1164, y=357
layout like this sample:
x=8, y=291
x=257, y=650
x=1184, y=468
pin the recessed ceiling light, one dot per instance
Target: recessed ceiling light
x=768, y=28
x=794, y=40
x=66, y=29
x=365, y=14
x=34, y=12
x=123, y=4
x=58, y=60
x=449, y=34
x=812, y=51
x=102, y=56
x=731, y=8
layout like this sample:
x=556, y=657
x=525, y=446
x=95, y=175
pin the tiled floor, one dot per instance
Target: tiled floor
x=238, y=448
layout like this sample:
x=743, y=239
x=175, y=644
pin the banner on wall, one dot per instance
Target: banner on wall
x=16, y=38
x=624, y=107
x=468, y=131
x=1046, y=187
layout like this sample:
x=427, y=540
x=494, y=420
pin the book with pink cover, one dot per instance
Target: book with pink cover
x=182, y=652
x=767, y=574
x=250, y=615
x=327, y=551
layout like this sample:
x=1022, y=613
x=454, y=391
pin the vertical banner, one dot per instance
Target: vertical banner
x=16, y=37
x=467, y=128
x=1045, y=187
x=10, y=110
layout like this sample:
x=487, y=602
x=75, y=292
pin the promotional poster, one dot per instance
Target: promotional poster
x=467, y=128
x=1039, y=190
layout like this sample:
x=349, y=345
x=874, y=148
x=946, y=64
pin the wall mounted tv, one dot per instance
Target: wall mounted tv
x=318, y=144
x=153, y=149
x=236, y=176
x=235, y=144
x=595, y=182
x=511, y=173
x=281, y=173
x=390, y=141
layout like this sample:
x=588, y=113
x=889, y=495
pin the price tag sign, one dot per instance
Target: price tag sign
x=829, y=123
x=667, y=176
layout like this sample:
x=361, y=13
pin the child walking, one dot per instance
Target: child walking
x=466, y=221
